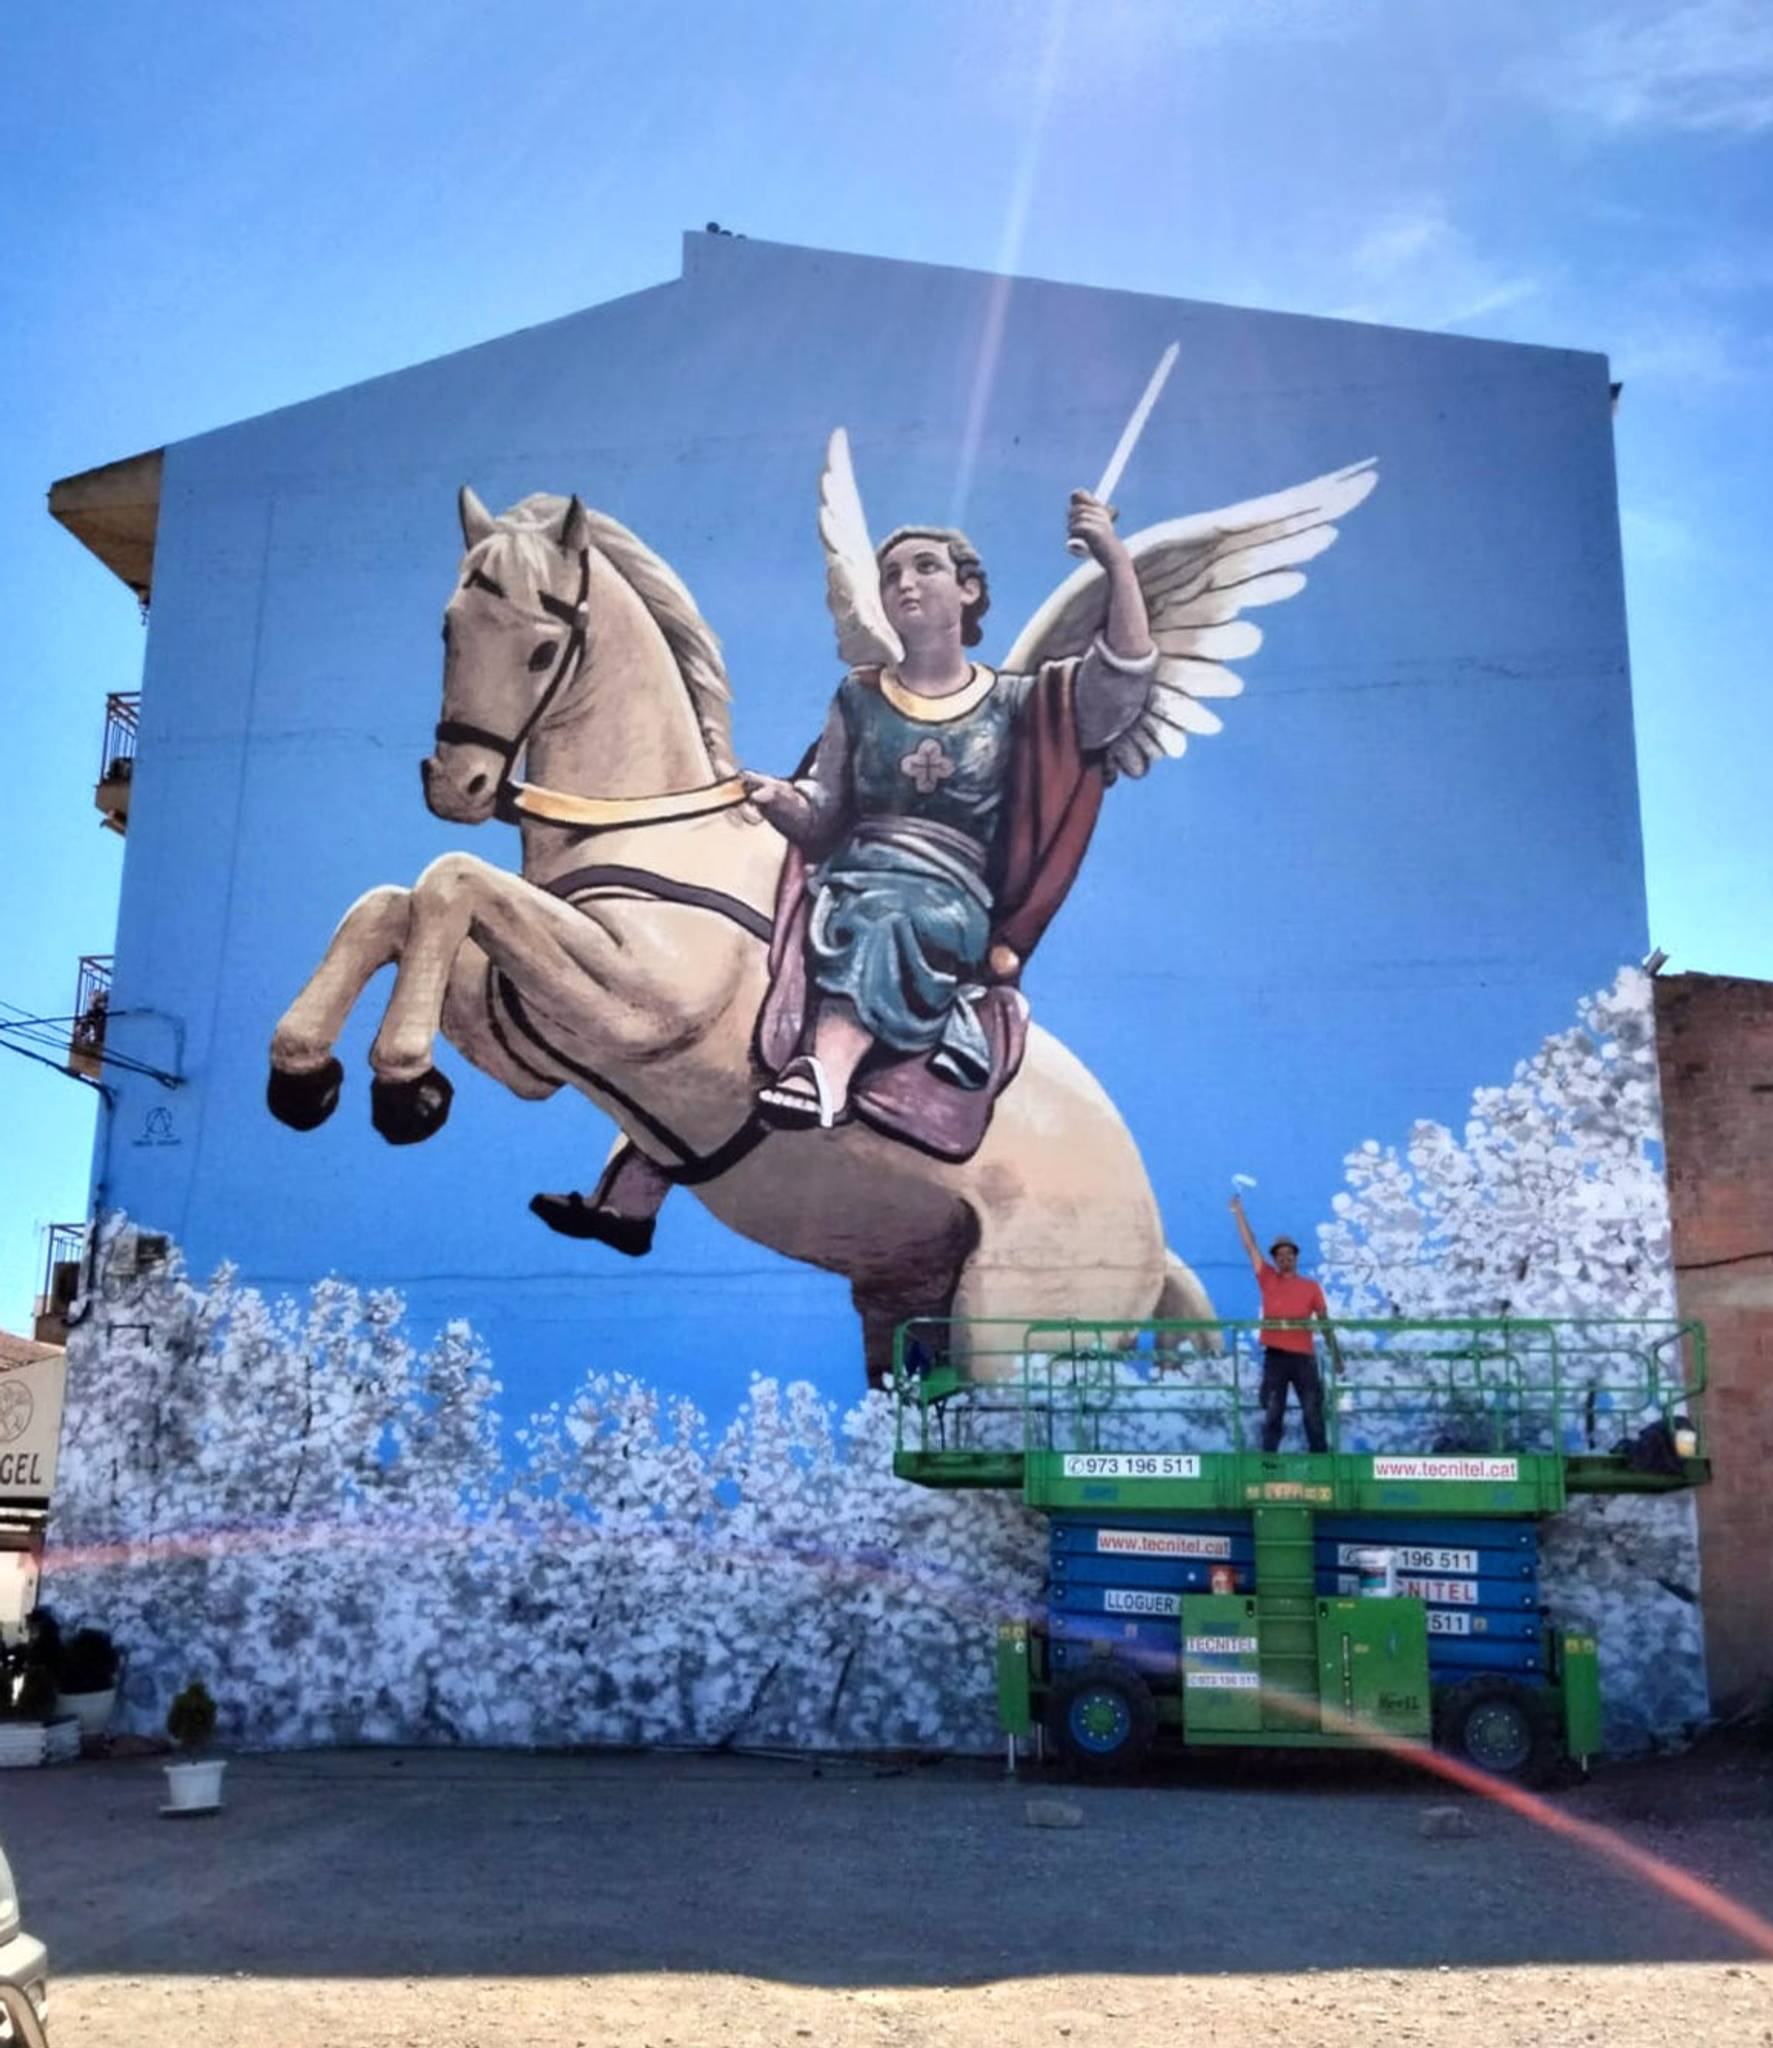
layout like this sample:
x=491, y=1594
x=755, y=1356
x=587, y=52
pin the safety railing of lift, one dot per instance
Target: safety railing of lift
x=1578, y=1386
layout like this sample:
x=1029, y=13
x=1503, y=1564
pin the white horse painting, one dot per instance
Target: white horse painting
x=628, y=959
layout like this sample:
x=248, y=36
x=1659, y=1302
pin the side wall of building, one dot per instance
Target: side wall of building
x=1715, y=1048
x=1409, y=853
x=406, y=1451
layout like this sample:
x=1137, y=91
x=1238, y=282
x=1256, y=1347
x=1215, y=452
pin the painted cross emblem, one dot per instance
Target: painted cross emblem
x=927, y=766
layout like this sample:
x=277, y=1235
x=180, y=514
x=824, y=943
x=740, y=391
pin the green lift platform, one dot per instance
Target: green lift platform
x=1382, y=1591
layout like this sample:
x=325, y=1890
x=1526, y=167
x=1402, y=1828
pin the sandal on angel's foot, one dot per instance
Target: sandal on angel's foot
x=801, y=1098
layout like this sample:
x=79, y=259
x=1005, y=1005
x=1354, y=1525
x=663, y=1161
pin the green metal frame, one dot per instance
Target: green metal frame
x=1577, y=1668
x=1049, y=1407
x=1027, y=1404
x=1015, y=1678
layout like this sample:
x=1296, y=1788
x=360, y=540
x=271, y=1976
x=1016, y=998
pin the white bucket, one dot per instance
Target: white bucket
x=1377, y=1570
x=194, y=1788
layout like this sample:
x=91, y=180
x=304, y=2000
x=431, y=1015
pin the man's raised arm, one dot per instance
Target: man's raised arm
x=1247, y=1234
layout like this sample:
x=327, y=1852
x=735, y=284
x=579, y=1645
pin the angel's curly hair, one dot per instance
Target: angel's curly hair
x=967, y=566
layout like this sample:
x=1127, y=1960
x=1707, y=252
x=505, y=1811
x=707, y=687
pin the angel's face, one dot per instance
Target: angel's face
x=925, y=600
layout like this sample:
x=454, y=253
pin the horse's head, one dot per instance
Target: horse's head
x=514, y=639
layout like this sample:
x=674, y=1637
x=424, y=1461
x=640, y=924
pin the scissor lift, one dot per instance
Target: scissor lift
x=1386, y=1589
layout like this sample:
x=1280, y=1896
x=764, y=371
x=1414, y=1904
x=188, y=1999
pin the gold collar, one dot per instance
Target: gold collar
x=938, y=710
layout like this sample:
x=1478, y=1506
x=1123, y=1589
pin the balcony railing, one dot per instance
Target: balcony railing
x=92, y=1003
x=64, y=1248
x=117, y=758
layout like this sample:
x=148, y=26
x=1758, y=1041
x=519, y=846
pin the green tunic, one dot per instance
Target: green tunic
x=907, y=812
x=902, y=915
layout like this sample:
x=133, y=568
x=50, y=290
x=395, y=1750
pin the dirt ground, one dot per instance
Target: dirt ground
x=377, y=1897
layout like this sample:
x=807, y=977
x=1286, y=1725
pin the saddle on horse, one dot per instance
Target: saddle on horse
x=1054, y=797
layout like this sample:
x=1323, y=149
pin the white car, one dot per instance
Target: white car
x=24, y=1972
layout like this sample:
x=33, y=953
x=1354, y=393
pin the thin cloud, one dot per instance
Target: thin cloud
x=1416, y=268
x=1726, y=272
x=1201, y=23
x=1134, y=43
x=1702, y=66
x=1697, y=353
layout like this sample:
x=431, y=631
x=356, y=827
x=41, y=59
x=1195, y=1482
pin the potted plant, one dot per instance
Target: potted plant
x=86, y=1666
x=194, y=1786
x=27, y=1697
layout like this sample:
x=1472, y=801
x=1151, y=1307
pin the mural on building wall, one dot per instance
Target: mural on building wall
x=800, y=996
x=548, y=1492
x=320, y=1508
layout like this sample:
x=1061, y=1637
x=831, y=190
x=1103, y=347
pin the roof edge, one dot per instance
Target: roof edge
x=114, y=512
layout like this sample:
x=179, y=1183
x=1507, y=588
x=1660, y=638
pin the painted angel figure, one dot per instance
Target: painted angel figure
x=907, y=811
x=941, y=818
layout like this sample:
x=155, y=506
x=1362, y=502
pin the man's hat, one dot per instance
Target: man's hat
x=1290, y=1243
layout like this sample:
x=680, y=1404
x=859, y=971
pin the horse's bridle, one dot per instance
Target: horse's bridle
x=514, y=801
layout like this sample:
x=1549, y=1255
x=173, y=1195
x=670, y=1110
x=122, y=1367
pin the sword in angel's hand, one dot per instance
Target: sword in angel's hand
x=1129, y=439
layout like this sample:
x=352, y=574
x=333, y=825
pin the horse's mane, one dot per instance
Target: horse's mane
x=693, y=642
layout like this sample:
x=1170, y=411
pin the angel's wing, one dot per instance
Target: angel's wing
x=852, y=582
x=1198, y=574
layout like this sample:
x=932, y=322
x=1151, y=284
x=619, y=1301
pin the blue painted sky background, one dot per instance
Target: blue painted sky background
x=209, y=213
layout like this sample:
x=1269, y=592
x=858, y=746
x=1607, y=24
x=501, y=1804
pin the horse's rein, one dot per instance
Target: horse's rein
x=513, y=801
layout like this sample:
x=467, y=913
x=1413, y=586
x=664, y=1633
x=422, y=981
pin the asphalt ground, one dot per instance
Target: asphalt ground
x=601, y=1891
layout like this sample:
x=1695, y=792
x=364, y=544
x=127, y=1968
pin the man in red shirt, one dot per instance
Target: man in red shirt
x=1288, y=1357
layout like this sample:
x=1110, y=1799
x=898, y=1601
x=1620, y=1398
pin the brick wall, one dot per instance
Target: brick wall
x=1714, y=1041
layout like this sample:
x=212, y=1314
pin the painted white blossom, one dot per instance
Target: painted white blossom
x=320, y=1512
x=304, y=1506
x=1549, y=1204
x=259, y=1493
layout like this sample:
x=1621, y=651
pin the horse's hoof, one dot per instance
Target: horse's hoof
x=304, y=1101
x=407, y=1112
x=573, y=1216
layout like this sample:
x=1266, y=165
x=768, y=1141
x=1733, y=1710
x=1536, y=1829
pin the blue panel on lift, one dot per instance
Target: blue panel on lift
x=1192, y=1575
x=1455, y=1657
x=1160, y=1662
x=1124, y=1601
x=1447, y=1589
x=1155, y=1648
x=1172, y=1574
x=1070, y=1531
x=1470, y=1532
x=1115, y=1581
x=1080, y=1534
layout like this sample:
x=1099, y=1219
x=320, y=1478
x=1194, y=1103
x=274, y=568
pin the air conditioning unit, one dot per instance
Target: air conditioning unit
x=135, y=1252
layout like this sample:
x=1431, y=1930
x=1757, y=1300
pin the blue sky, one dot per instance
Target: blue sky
x=210, y=212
